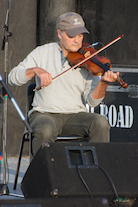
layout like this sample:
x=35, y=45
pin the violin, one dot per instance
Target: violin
x=87, y=57
x=96, y=65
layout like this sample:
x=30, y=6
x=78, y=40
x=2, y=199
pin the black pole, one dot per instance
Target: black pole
x=15, y=104
x=6, y=34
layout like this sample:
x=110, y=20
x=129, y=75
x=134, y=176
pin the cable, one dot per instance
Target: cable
x=107, y=176
x=110, y=180
x=85, y=184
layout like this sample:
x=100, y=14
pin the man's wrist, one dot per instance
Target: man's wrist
x=103, y=81
x=30, y=73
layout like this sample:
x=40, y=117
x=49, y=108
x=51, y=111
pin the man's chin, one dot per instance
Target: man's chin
x=75, y=49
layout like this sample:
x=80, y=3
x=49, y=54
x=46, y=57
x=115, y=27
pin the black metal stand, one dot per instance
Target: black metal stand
x=4, y=190
x=3, y=187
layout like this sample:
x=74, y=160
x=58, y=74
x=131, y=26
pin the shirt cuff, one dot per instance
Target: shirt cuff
x=94, y=102
x=21, y=74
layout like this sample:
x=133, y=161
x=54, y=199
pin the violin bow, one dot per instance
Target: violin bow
x=83, y=61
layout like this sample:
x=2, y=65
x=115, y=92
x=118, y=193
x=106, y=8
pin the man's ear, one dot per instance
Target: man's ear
x=59, y=33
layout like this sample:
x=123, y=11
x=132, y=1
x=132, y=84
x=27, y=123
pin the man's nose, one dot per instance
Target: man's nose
x=76, y=38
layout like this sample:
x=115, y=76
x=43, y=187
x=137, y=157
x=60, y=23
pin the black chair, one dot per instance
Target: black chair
x=27, y=136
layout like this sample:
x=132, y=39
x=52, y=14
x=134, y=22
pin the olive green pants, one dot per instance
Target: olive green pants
x=47, y=126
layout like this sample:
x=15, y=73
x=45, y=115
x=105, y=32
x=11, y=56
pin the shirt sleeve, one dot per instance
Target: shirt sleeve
x=91, y=83
x=17, y=76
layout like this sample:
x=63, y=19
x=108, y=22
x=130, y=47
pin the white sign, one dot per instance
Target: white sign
x=118, y=117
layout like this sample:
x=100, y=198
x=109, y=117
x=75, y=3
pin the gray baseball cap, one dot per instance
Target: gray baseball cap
x=72, y=23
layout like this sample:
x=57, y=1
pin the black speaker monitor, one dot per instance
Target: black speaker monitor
x=83, y=170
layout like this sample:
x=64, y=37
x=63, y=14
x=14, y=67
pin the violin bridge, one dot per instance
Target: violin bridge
x=87, y=54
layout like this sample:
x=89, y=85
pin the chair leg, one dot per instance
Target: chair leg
x=19, y=161
x=30, y=148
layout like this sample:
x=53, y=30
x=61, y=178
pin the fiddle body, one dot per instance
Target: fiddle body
x=96, y=65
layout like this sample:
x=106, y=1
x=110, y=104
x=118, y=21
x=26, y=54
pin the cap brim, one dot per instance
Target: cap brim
x=76, y=31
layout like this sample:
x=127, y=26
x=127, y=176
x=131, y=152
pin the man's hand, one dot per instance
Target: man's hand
x=109, y=76
x=44, y=76
x=100, y=89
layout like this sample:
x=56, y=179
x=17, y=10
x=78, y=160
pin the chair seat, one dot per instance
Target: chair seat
x=69, y=137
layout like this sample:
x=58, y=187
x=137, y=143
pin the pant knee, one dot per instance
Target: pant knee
x=46, y=133
x=42, y=133
x=103, y=123
x=100, y=130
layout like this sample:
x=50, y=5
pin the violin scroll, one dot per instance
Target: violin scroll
x=122, y=83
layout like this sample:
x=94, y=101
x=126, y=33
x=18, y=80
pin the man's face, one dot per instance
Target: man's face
x=68, y=43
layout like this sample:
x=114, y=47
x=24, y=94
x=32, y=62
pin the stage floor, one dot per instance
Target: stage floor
x=10, y=176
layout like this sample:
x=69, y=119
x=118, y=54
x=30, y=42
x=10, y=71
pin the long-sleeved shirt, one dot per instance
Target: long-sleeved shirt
x=67, y=94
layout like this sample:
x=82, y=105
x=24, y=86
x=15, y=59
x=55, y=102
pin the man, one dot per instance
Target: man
x=59, y=106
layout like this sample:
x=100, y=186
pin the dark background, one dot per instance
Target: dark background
x=33, y=23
